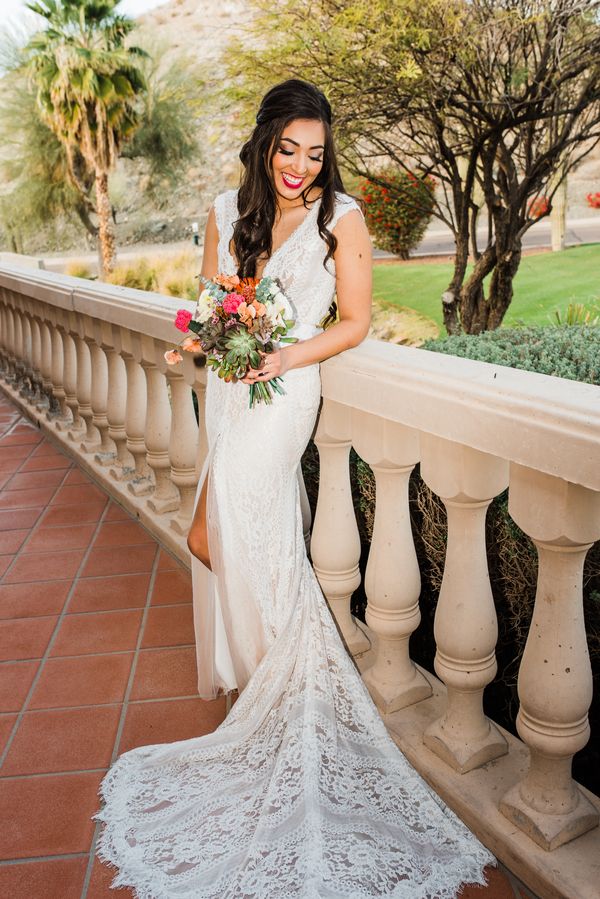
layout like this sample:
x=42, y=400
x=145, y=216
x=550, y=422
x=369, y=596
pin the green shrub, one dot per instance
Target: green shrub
x=78, y=270
x=398, y=209
x=139, y=274
x=571, y=352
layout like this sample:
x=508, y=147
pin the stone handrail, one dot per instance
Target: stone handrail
x=86, y=361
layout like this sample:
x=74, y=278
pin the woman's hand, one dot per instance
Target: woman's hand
x=273, y=366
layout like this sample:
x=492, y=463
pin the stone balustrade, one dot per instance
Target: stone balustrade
x=87, y=362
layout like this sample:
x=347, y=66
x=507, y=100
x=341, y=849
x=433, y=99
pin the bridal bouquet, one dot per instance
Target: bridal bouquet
x=236, y=320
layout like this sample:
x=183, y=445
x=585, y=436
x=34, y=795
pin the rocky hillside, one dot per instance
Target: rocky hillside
x=198, y=32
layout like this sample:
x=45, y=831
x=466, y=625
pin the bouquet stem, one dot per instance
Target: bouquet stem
x=262, y=391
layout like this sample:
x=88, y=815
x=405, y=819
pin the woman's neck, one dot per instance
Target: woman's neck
x=283, y=204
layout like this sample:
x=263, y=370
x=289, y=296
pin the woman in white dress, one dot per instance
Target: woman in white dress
x=300, y=793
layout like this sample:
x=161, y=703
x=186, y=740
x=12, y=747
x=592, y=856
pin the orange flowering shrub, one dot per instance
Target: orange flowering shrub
x=399, y=209
x=593, y=200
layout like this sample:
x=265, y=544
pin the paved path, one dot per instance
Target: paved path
x=96, y=657
x=437, y=241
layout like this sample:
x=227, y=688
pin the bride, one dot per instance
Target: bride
x=300, y=792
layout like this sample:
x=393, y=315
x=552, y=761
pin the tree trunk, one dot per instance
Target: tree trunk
x=84, y=216
x=473, y=306
x=106, y=235
x=501, y=286
x=451, y=296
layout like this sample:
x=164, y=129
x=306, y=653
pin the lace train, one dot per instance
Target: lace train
x=299, y=793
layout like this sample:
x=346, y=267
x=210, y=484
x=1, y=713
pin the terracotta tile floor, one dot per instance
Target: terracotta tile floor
x=96, y=657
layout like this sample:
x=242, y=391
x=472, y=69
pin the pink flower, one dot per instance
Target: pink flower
x=173, y=357
x=182, y=319
x=231, y=303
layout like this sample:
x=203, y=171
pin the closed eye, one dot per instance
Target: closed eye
x=291, y=153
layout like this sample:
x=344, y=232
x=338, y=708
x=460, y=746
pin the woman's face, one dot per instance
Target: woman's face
x=297, y=159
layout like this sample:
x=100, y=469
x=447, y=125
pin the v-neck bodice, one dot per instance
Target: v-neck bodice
x=297, y=263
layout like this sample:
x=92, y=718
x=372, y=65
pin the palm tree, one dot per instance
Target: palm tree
x=88, y=85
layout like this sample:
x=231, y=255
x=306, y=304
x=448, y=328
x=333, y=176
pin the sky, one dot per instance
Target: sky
x=14, y=11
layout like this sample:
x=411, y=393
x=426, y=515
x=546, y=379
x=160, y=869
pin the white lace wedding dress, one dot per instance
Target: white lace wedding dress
x=300, y=793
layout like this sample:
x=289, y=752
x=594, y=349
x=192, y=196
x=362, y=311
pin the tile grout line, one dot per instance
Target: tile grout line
x=124, y=710
x=169, y=605
x=40, y=775
x=52, y=639
x=6, y=862
x=108, y=652
x=93, y=705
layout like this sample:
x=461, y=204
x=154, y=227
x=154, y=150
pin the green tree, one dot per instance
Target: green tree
x=498, y=99
x=88, y=81
x=37, y=187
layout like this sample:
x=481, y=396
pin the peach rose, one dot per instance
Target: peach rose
x=227, y=282
x=192, y=345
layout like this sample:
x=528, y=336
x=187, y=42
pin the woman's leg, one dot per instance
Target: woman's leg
x=197, y=540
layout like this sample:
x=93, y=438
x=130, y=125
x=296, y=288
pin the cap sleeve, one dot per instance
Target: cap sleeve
x=225, y=206
x=343, y=204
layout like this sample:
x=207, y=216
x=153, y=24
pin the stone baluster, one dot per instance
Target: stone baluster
x=555, y=677
x=99, y=397
x=10, y=344
x=158, y=425
x=3, y=332
x=36, y=360
x=182, y=443
x=88, y=435
x=118, y=456
x=466, y=627
x=60, y=412
x=26, y=389
x=393, y=579
x=137, y=473
x=336, y=560
x=19, y=348
x=6, y=337
x=70, y=380
x=47, y=402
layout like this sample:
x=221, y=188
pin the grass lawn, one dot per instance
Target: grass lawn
x=544, y=282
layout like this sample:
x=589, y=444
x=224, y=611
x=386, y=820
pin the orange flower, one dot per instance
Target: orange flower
x=192, y=345
x=173, y=357
x=228, y=282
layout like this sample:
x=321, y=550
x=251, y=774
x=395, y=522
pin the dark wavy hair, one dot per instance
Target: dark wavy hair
x=257, y=200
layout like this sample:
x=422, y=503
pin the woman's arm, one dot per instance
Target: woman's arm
x=210, y=260
x=353, y=267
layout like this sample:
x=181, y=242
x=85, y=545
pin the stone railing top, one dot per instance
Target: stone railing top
x=546, y=423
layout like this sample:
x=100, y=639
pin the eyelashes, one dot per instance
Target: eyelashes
x=291, y=153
